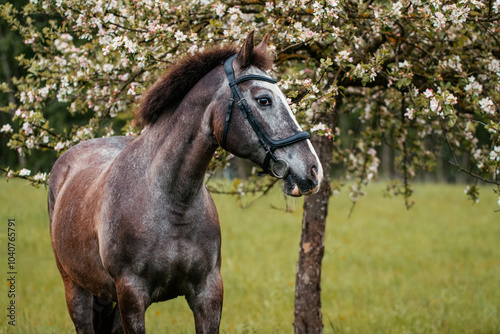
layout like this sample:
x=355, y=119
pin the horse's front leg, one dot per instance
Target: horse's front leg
x=206, y=304
x=132, y=302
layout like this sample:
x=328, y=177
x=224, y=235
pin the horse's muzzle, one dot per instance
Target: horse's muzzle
x=295, y=187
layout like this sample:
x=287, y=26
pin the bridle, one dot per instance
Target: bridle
x=276, y=167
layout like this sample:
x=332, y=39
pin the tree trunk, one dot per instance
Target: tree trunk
x=308, y=317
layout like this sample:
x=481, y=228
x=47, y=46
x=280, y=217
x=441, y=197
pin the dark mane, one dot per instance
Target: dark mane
x=182, y=76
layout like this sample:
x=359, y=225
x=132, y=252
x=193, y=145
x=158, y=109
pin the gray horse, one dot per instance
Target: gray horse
x=131, y=221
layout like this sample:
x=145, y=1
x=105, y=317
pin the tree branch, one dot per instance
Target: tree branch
x=460, y=168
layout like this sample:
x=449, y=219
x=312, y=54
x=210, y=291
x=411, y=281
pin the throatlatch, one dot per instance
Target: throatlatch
x=273, y=165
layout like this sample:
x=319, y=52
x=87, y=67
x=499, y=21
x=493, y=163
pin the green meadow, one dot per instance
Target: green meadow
x=432, y=269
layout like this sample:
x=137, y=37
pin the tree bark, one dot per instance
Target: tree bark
x=308, y=316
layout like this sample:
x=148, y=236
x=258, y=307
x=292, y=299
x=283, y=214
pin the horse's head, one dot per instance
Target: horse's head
x=259, y=125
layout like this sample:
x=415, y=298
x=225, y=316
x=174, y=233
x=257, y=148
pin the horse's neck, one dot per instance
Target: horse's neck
x=181, y=146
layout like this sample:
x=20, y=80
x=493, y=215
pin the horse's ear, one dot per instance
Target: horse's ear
x=245, y=54
x=262, y=47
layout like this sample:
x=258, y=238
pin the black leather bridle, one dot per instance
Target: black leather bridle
x=274, y=166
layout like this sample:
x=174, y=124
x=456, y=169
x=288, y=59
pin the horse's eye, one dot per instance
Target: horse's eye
x=264, y=101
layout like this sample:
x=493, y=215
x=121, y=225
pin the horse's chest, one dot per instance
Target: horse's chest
x=179, y=263
x=170, y=255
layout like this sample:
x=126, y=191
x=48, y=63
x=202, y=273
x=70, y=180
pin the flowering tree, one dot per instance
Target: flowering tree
x=417, y=75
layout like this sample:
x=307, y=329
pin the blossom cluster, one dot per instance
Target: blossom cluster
x=386, y=67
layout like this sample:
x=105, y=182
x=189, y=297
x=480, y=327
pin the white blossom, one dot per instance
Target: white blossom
x=107, y=68
x=487, y=105
x=454, y=63
x=27, y=128
x=451, y=99
x=193, y=49
x=495, y=154
x=7, y=128
x=473, y=86
x=434, y=104
x=439, y=20
x=219, y=8
x=343, y=56
x=59, y=146
x=180, y=36
x=410, y=113
x=130, y=45
x=24, y=172
x=494, y=65
x=318, y=127
x=40, y=176
x=404, y=64
x=496, y=6
x=428, y=93
x=29, y=143
x=396, y=9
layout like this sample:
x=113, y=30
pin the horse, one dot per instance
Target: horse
x=131, y=221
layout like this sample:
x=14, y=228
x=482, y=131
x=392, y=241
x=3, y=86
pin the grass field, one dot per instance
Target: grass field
x=433, y=269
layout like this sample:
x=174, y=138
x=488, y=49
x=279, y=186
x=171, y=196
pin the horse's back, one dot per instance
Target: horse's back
x=84, y=162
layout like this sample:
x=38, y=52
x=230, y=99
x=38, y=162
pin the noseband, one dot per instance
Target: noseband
x=274, y=166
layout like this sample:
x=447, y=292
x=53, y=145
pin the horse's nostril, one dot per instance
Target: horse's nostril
x=314, y=172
